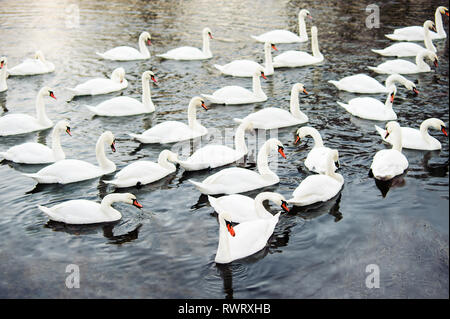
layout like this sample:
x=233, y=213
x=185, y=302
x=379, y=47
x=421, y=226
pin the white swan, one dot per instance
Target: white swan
x=70, y=171
x=401, y=66
x=372, y=109
x=37, y=65
x=99, y=86
x=3, y=73
x=246, y=68
x=234, y=94
x=13, y=124
x=238, y=180
x=243, y=208
x=81, y=211
x=215, y=155
x=404, y=49
x=145, y=172
x=418, y=139
x=389, y=163
x=244, y=239
x=37, y=153
x=174, y=131
x=125, y=105
x=125, y=53
x=191, y=53
x=319, y=187
x=416, y=33
x=316, y=160
x=293, y=59
x=274, y=117
x=284, y=36
x=362, y=83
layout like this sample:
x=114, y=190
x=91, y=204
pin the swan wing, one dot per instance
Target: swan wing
x=399, y=66
x=184, y=53
x=294, y=59
x=315, y=188
x=143, y=172
x=360, y=83
x=97, y=86
x=212, y=156
x=168, y=132
x=122, y=53
x=316, y=161
x=244, y=68
x=279, y=36
x=272, y=117
x=30, y=153
x=76, y=212
x=12, y=124
x=369, y=108
x=389, y=163
x=240, y=207
x=402, y=49
x=30, y=67
x=119, y=106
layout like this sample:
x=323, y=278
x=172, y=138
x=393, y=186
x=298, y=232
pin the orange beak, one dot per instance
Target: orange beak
x=264, y=77
x=230, y=228
x=137, y=204
x=304, y=91
x=149, y=42
x=436, y=64
x=281, y=151
x=285, y=207
x=68, y=131
x=416, y=90
x=154, y=79
x=297, y=139
x=52, y=95
x=204, y=106
x=210, y=35
x=274, y=47
x=387, y=134
x=113, y=146
x=1, y=64
x=392, y=98
x=444, y=131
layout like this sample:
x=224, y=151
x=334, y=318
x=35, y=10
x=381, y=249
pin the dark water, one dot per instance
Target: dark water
x=167, y=250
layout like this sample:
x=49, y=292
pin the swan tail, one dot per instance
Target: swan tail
x=345, y=106
x=254, y=37
x=335, y=83
x=101, y=55
x=188, y=166
x=93, y=109
x=145, y=139
x=381, y=52
x=212, y=201
x=394, y=37
x=203, y=188
x=42, y=179
x=381, y=131
x=375, y=69
x=219, y=67
x=238, y=120
x=47, y=211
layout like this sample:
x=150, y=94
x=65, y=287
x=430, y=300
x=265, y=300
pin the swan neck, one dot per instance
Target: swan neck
x=3, y=85
x=257, y=90
x=396, y=140
x=239, y=139
x=206, y=50
x=146, y=95
x=268, y=63
x=192, y=117
x=388, y=104
x=163, y=160
x=295, y=105
x=424, y=131
x=427, y=40
x=302, y=27
x=261, y=211
x=107, y=209
x=262, y=161
x=421, y=64
x=318, y=142
x=438, y=22
x=58, y=152
x=143, y=48
x=224, y=246
x=104, y=163
x=315, y=46
x=40, y=110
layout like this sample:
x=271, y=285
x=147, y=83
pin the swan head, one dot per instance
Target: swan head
x=3, y=62
x=226, y=217
x=38, y=55
x=118, y=75
x=268, y=45
x=149, y=75
x=391, y=126
x=129, y=198
x=430, y=55
x=47, y=91
x=63, y=125
x=146, y=37
x=108, y=137
x=171, y=156
x=392, y=92
x=198, y=101
x=429, y=25
x=438, y=125
x=299, y=87
x=305, y=14
x=302, y=132
x=443, y=10
x=260, y=72
x=207, y=32
x=278, y=199
x=275, y=144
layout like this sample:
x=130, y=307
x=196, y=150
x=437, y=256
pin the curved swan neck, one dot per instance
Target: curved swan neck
x=106, y=203
x=330, y=169
x=302, y=27
x=427, y=39
x=268, y=63
x=239, y=138
x=163, y=160
x=42, y=117
x=206, y=50
x=295, y=105
x=192, y=115
x=438, y=21
x=146, y=95
x=104, y=163
x=318, y=142
x=424, y=126
x=421, y=64
x=58, y=152
x=391, y=79
x=261, y=211
x=262, y=160
x=257, y=90
x=143, y=48
x=315, y=44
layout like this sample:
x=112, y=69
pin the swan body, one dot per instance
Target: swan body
x=81, y=211
x=37, y=65
x=125, y=53
x=13, y=124
x=389, y=163
x=3, y=73
x=37, y=153
x=213, y=155
x=362, y=83
x=174, y=131
x=238, y=180
x=234, y=94
x=273, y=117
x=145, y=172
x=246, y=68
x=243, y=208
x=191, y=53
x=70, y=171
x=319, y=188
x=372, y=109
x=126, y=106
x=401, y=66
x=292, y=59
x=417, y=33
x=284, y=36
x=244, y=239
x=418, y=139
x=99, y=86
x=316, y=160
x=404, y=49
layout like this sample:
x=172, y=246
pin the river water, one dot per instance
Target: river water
x=167, y=249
